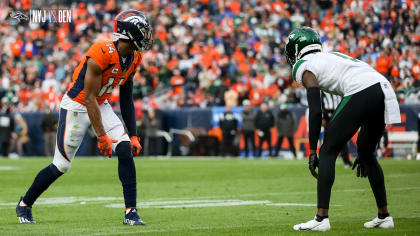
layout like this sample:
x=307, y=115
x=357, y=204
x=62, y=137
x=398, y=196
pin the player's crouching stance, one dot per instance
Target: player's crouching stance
x=368, y=103
x=106, y=65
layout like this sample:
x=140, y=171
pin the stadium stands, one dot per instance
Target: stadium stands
x=204, y=48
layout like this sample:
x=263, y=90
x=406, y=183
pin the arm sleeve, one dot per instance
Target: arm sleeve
x=315, y=116
x=127, y=107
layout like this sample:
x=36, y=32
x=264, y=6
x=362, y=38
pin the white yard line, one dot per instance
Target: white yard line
x=296, y=204
x=6, y=168
x=95, y=200
x=194, y=203
x=282, y=193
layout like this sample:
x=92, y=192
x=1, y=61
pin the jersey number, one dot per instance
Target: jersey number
x=345, y=56
x=107, y=88
x=111, y=49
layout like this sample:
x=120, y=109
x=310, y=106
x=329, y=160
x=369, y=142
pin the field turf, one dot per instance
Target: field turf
x=200, y=196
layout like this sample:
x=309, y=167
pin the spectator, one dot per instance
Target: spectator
x=19, y=136
x=7, y=125
x=264, y=121
x=177, y=82
x=152, y=141
x=231, y=98
x=248, y=127
x=49, y=127
x=383, y=64
x=229, y=126
x=285, y=124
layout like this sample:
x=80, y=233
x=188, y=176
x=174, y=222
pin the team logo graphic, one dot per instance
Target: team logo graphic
x=137, y=20
x=17, y=17
x=302, y=39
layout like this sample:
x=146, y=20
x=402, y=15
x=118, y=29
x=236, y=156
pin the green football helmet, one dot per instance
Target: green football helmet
x=301, y=41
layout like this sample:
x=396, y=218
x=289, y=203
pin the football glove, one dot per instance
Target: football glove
x=313, y=164
x=361, y=168
x=135, y=145
x=105, y=145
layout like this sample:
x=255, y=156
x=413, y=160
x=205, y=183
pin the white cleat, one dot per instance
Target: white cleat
x=314, y=225
x=387, y=223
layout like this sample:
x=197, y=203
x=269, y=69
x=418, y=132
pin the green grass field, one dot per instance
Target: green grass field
x=205, y=197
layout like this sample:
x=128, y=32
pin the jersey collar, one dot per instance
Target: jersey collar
x=128, y=62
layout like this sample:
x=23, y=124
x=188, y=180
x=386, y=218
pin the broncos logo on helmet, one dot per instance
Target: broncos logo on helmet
x=136, y=20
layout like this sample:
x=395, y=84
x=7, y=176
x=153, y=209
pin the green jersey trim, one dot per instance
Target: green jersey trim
x=296, y=67
x=341, y=106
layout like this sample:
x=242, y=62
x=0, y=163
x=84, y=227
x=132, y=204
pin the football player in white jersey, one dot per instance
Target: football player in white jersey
x=368, y=104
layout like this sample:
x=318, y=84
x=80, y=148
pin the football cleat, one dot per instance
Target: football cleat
x=24, y=213
x=387, y=223
x=314, y=225
x=132, y=218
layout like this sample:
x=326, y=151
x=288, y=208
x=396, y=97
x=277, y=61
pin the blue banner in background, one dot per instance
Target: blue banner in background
x=217, y=114
x=192, y=117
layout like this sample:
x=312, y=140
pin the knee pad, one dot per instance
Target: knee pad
x=61, y=165
x=123, y=150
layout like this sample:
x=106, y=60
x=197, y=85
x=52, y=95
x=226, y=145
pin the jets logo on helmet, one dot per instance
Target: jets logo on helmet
x=300, y=42
x=133, y=25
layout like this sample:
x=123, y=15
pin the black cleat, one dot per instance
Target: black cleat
x=24, y=214
x=132, y=218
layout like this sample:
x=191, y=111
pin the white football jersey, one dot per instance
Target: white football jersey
x=343, y=75
x=337, y=73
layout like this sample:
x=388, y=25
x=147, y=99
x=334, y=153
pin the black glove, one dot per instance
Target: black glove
x=313, y=164
x=361, y=168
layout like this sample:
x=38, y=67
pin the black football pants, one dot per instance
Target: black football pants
x=364, y=110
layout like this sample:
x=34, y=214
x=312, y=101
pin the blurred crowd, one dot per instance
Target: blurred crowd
x=206, y=52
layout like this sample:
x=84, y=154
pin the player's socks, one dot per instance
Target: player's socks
x=383, y=216
x=128, y=209
x=320, y=218
x=22, y=204
x=127, y=173
x=42, y=181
